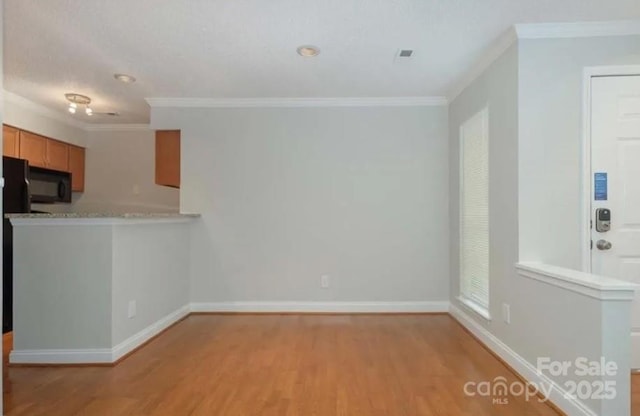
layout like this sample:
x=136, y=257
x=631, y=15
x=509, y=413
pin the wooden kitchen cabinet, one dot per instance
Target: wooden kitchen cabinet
x=47, y=153
x=168, y=158
x=10, y=141
x=76, y=167
x=44, y=152
x=33, y=148
x=57, y=155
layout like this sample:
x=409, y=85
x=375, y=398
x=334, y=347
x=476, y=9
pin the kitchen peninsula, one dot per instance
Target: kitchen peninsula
x=90, y=288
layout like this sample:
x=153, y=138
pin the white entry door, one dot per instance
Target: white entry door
x=615, y=185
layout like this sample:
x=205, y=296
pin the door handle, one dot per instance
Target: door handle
x=603, y=245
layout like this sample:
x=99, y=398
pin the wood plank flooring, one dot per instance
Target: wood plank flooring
x=259, y=365
x=635, y=394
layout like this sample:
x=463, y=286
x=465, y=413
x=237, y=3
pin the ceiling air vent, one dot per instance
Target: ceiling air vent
x=405, y=53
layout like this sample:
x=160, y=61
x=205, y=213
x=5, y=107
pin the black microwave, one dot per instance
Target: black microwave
x=49, y=186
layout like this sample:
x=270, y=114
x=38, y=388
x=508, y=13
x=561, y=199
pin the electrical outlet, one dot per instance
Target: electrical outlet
x=132, y=309
x=324, y=281
x=506, y=313
x=136, y=190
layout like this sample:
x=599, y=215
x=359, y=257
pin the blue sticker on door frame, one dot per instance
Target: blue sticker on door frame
x=600, y=186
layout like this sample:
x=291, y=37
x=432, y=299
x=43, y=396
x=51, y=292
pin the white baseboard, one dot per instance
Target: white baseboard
x=97, y=355
x=149, y=332
x=323, y=307
x=635, y=350
x=570, y=405
x=61, y=356
x=110, y=355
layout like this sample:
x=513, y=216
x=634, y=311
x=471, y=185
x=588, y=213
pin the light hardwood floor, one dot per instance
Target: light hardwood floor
x=635, y=394
x=228, y=365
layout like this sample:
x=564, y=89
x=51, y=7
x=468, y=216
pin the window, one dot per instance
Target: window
x=474, y=212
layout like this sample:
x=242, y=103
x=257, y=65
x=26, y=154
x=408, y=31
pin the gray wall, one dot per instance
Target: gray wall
x=120, y=175
x=290, y=194
x=534, y=94
x=74, y=295
x=550, y=130
x=62, y=300
x=150, y=267
x=497, y=89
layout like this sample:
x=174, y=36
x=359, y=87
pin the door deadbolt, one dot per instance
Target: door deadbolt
x=603, y=220
x=603, y=245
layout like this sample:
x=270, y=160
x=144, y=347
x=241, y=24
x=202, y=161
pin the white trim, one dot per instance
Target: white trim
x=147, y=333
x=118, y=127
x=323, y=307
x=98, y=355
x=591, y=285
x=577, y=29
x=611, y=70
x=560, y=397
x=475, y=307
x=585, y=234
x=61, y=356
x=297, y=102
x=588, y=73
x=497, y=48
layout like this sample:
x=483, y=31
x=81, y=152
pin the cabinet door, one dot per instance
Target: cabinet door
x=57, y=155
x=168, y=158
x=10, y=141
x=76, y=167
x=33, y=148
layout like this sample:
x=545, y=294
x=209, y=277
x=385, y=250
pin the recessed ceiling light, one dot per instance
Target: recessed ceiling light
x=127, y=79
x=308, y=51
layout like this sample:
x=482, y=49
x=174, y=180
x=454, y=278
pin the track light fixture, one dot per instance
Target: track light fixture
x=78, y=99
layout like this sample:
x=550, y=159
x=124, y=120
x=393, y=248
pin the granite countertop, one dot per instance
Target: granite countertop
x=140, y=215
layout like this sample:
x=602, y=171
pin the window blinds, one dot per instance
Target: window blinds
x=474, y=209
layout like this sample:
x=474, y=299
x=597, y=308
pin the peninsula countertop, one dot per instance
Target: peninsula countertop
x=99, y=218
x=102, y=215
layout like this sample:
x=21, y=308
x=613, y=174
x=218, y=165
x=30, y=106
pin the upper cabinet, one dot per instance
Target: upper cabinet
x=76, y=167
x=10, y=141
x=44, y=152
x=57, y=155
x=168, y=158
x=33, y=148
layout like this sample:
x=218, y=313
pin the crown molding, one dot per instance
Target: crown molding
x=496, y=49
x=577, y=29
x=118, y=127
x=16, y=99
x=297, y=102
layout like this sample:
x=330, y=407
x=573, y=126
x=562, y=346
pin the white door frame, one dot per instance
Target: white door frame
x=588, y=73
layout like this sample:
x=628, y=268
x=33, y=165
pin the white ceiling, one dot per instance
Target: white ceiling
x=247, y=48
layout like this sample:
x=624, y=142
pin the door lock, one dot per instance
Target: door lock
x=603, y=220
x=603, y=245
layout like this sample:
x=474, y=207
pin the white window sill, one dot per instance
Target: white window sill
x=475, y=307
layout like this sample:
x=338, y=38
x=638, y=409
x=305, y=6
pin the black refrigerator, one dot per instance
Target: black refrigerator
x=15, y=196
